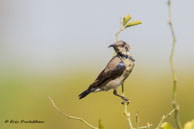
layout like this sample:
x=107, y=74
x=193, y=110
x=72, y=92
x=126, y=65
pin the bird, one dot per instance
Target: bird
x=115, y=72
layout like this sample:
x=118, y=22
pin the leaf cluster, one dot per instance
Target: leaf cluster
x=126, y=22
x=188, y=125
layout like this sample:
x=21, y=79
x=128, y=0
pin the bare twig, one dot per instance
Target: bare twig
x=71, y=117
x=172, y=51
x=137, y=123
x=148, y=125
x=121, y=29
x=126, y=113
x=175, y=106
x=164, y=117
x=137, y=120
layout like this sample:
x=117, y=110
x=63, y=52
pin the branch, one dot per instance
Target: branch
x=126, y=113
x=121, y=29
x=71, y=117
x=165, y=117
x=175, y=106
x=172, y=51
x=137, y=120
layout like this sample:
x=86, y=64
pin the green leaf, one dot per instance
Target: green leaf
x=133, y=23
x=189, y=125
x=166, y=125
x=126, y=19
x=100, y=125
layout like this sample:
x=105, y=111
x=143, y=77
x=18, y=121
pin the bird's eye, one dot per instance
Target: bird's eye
x=122, y=45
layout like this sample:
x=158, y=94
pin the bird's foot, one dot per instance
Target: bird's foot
x=125, y=100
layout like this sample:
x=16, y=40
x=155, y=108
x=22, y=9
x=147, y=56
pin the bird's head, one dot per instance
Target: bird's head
x=121, y=47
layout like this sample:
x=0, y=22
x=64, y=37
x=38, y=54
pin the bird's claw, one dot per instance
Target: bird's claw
x=125, y=100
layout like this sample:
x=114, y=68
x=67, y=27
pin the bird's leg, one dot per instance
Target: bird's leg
x=122, y=97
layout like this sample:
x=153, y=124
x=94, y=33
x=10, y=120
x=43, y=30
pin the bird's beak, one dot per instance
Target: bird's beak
x=112, y=45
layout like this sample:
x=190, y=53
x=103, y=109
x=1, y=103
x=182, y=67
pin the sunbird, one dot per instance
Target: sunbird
x=115, y=72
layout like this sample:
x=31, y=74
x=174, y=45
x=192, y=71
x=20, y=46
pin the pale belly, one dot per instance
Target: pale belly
x=114, y=84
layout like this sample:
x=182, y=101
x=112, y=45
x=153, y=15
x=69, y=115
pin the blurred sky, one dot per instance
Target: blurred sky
x=42, y=35
x=57, y=48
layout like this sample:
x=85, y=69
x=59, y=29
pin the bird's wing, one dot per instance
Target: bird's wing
x=114, y=69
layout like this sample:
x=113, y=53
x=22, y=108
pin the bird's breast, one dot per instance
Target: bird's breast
x=113, y=84
x=129, y=64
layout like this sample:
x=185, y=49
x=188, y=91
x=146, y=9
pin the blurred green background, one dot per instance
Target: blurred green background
x=57, y=48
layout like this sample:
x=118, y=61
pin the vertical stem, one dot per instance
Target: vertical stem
x=121, y=29
x=172, y=52
x=117, y=36
x=176, y=115
x=137, y=120
x=127, y=114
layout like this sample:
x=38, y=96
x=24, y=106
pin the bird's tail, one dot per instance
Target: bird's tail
x=84, y=94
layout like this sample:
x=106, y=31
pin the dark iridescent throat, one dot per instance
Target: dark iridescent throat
x=126, y=56
x=122, y=55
